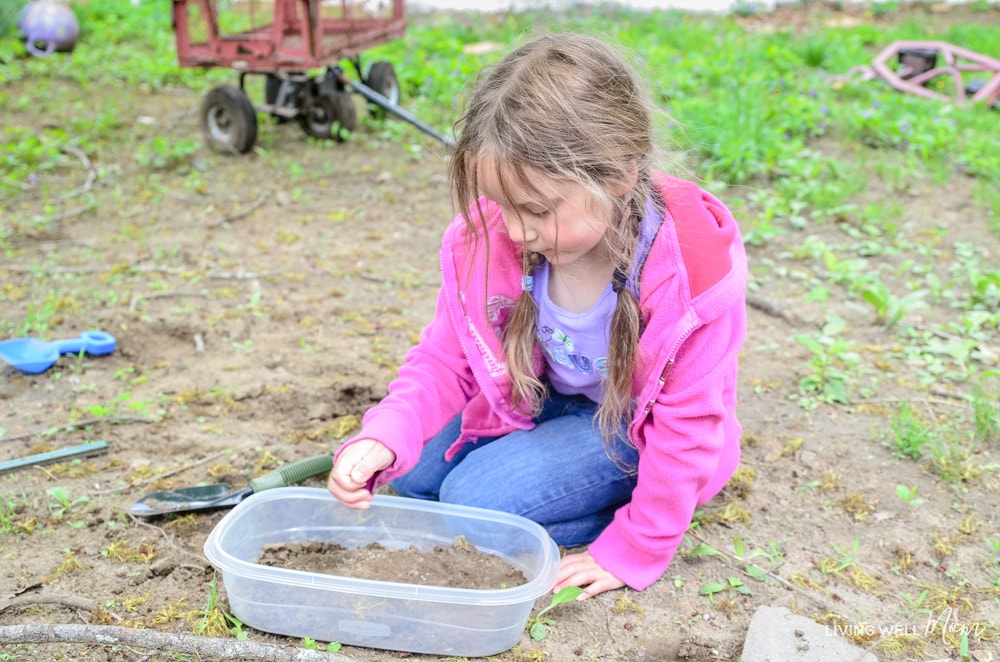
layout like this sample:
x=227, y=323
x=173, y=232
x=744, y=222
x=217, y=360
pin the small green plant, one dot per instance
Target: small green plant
x=39, y=318
x=832, y=358
x=61, y=503
x=889, y=309
x=8, y=508
x=845, y=558
x=312, y=644
x=908, y=495
x=910, y=431
x=915, y=605
x=994, y=547
x=163, y=154
x=216, y=620
x=538, y=626
x=986, y=414
x=731, y=584
x=742, y=557
x=120, y=402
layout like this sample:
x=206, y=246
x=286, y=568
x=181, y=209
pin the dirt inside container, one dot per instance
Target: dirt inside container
x=459, y=565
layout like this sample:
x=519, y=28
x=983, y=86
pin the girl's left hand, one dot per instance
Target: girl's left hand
x=582, y=570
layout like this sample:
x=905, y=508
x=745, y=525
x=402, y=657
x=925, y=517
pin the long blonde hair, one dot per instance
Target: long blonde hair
x=568, y=107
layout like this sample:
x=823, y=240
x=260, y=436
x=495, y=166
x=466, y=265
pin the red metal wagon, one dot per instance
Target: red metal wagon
x=282, y=40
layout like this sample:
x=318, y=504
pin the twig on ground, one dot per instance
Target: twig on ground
x=166, y=537
x=242, y=214
x=960, y=397
x=111, y=635
x=134, y=303
x=147, y=268
x=45, y=471
x=387, y=281
x=32, y=599
x=611, y=633
x=736, y=562
x=771, y=307
x=956, y=400
x=88, y=166
x=78, y=424
x=167, y=474
x=72, y=213
x=244, y=275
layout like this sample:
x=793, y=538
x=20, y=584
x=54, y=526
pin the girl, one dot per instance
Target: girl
x=580, y=370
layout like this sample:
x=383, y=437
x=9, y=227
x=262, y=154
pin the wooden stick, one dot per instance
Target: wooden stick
x=168, y=642
x=31, y=599
x=166, y=474
x=243, y=214
x=85, y=160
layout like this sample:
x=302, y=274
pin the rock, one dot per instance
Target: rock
x=777, y=635
x=163, y=567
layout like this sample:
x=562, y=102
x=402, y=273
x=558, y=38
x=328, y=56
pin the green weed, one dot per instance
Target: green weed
x=734, y=584
x=910, y=432
x=889, y=309
x=986, y=413
x=9, y=507
x=538, y=626
x=312, y=644
x=845, y=558
x=61, y=503
x=215, y=620
x=908, y=495
x=123, y=404
x=833, y=359
x=159, y=153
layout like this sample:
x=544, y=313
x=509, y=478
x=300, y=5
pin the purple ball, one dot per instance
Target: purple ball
x=48, y=27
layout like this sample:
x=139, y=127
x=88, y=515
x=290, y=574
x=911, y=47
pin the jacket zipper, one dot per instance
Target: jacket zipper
x=668, y=365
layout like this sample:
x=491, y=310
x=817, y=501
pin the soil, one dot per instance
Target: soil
x=262, y=308
x=459, y=565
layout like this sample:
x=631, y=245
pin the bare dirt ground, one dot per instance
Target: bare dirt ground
x=260, y=312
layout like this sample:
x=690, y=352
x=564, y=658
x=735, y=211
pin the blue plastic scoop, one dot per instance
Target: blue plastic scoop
x=33, y=356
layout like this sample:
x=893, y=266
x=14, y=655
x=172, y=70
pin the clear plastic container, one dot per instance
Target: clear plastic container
x=435, y=620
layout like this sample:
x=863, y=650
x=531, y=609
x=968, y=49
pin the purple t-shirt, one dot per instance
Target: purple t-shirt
x=576, y=344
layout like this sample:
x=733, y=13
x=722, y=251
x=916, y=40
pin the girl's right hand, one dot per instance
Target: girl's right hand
x=354, y=468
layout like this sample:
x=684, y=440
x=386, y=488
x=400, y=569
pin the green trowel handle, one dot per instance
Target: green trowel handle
x=293, y=473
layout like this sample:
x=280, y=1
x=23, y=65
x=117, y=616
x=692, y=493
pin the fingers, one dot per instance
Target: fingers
x=347, y=492
x=353, y=470
x=583, y=571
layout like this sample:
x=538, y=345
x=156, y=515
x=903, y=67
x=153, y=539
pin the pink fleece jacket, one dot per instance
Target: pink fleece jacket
x=692, y=297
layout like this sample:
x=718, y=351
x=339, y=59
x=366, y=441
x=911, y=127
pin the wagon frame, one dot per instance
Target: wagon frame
x=283, y=41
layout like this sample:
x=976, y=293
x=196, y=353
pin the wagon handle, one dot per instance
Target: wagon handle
x=384, y=103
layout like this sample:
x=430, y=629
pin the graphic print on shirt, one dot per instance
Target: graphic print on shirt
x=560, y=349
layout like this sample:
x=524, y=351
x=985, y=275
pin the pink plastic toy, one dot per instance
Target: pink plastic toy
x=919, y=62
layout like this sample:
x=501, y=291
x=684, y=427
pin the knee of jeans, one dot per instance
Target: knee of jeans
x=408, y=485
x=477, y=495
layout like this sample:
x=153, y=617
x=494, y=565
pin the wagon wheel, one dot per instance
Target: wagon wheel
x=229, y=120
x=326, y=111
x=382, y=79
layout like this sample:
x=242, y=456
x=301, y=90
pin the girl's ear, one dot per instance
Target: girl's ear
x=625, y=186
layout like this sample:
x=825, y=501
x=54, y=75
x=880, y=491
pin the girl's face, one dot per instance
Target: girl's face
x=562, y=220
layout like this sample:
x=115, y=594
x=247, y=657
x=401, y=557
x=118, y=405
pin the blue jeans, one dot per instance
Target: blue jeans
x=557, y=474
